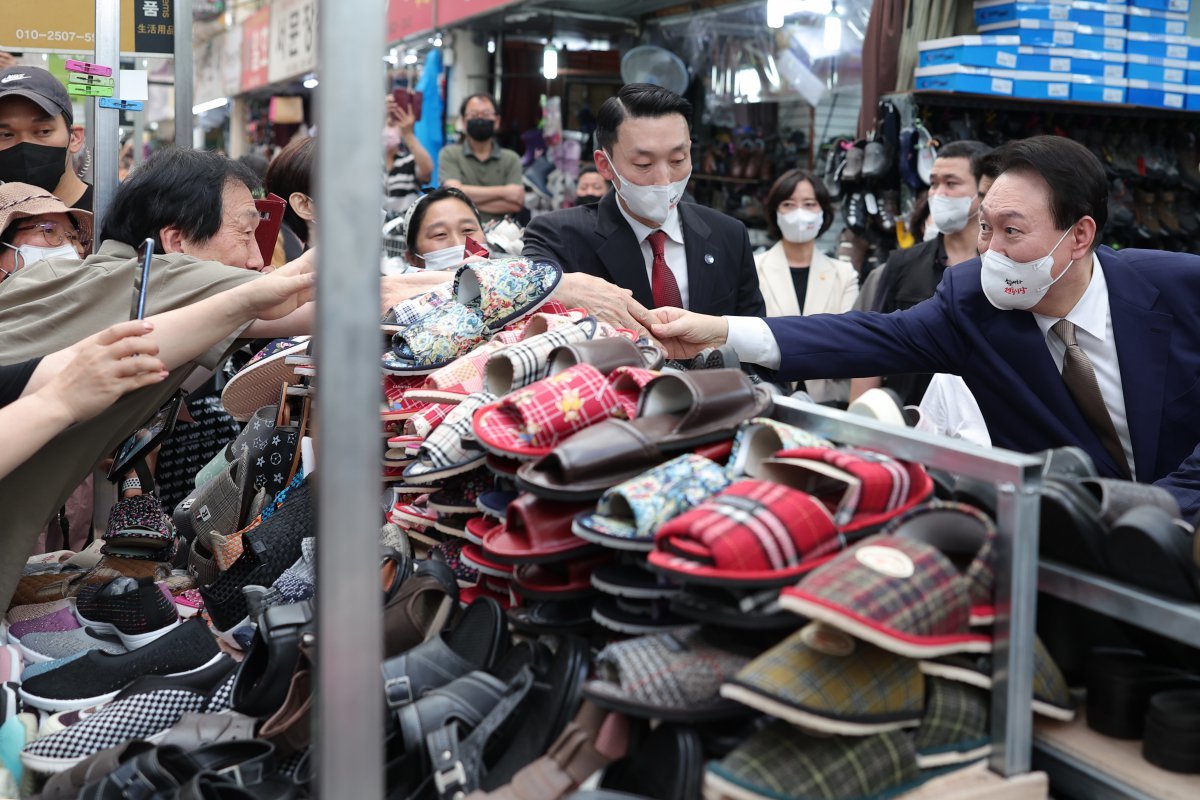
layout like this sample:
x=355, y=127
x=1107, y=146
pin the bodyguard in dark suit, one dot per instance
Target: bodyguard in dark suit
x=1061, y=342
x=640, y=236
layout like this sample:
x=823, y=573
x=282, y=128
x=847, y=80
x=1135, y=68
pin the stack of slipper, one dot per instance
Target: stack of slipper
x=886, y=675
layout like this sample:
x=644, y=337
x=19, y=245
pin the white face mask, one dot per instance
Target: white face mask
x=931, y=229
x=1009, y=284
x=950, y=213
x=799, y=225
x=446, y=258
x=28, y=254
x=654, y=203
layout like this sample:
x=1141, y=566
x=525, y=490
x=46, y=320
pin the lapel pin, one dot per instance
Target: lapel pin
x=708, y=259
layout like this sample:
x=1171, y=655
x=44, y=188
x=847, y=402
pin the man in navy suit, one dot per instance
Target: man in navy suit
x=1119, y=378
x=640, y=237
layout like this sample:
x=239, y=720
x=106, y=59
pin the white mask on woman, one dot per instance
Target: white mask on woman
x=800, y=225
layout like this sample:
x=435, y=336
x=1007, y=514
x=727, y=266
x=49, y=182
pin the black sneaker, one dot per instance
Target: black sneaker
x=93, y=677
x=137, y=610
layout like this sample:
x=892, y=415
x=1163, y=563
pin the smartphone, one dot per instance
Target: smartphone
x=474, y=248
x=90, y=69
x=270, y=218
x=411, y=100
x=146, y=438
x=142, y=286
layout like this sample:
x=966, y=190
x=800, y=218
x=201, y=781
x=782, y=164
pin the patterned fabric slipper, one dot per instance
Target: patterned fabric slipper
x=449, y=450
x=761, y=438
x=825, y=681
x=954, y=728
x=460, y=494
x=781, y=762
x=670, y=676
x=433, y=341
x=530, y=422
x=629, y=514
x=396, y=404
x=521, y=364
x=450, y=553
x=139, y=522
x=912, y=596
x=1051, y=695
x=503, y=291
x=417, y=307
x=464, y=375
x=257, y=383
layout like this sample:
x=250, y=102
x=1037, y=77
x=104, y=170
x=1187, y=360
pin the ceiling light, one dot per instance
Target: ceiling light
x=550, y=63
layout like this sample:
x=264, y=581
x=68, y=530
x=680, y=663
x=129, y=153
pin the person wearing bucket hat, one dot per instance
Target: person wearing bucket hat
x=39, y=135
x=34, y=224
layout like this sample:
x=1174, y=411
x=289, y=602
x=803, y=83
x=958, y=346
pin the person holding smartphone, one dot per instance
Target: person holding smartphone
x=409, y=164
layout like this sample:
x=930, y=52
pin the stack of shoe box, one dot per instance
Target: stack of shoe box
x=1113, y=52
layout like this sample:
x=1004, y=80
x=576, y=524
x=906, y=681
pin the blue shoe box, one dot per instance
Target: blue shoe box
x=1100, y=15
x=1157, y=45
x=1009, y=83
x=1161, y=70
x=1077, y=62
x=1047, y=33
x=1145, y=20
x=971, y=51
x=1175, y=96
x=1180, y=6
x=1095, y=89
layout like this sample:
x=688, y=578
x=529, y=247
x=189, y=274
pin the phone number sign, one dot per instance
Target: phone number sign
x=69, y=26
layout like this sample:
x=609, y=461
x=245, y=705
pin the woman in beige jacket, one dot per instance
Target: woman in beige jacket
x=794, y=276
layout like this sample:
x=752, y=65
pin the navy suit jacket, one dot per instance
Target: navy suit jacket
x=597, y=240
x=1154, y=300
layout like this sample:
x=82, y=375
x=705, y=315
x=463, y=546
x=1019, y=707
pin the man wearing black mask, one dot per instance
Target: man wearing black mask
x=38, y=135
x=486, y=172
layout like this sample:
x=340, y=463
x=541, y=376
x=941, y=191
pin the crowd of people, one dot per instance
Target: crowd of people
x=968, y=326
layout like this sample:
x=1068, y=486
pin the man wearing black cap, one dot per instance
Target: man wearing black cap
x=38, y=135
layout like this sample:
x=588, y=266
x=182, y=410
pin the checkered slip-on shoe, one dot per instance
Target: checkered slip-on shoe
x=954, y=729
x=900, y=592
x=670, y=676
x=450, y=449
x=823, y=680
x=518, y=365
x=781, y=762
x=1051, y=695
x=137, y=611
x=629, y=514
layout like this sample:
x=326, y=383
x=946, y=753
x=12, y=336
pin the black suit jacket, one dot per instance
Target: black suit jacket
x=597, y=240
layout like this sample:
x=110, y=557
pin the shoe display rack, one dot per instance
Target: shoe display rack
x=1079, y=761
x=1018, y=480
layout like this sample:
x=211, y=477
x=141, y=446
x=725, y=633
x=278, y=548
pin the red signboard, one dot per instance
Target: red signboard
x=408, y=17
x=451, y=11
x=256, y=50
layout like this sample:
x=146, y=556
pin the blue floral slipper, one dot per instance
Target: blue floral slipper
x=505, y=290
x=434, y=340
x=629, y=514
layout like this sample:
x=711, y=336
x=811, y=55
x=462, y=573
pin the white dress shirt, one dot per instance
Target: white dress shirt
x=755, y=344
x=949, y=409
x=673, y=249
x=1094, y=334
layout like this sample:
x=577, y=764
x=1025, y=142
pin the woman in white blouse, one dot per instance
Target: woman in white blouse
x=794, y=276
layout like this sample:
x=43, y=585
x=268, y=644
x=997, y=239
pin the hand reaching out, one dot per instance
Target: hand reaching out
x=279, y=292
x=106, y=366
x=683, y=334
x=605, y=301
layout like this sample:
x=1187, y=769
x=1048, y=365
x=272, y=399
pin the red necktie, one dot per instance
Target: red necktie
x=662, y=280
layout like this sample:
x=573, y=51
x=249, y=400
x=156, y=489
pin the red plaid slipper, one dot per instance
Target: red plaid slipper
x=862, y=489
x=530, y=422
x=426, y=419
x=754, y=533
x=909, y=590
x=395, y=404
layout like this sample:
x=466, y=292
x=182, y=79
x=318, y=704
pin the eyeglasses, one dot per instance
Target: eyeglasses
x=55, y=233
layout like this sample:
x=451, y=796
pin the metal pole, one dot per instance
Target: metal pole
x=107, y=137
x=139, y=137
x=183, y=73
x=349, y=723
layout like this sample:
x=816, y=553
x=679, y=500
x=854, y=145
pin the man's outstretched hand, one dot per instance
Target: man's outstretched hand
x=683, y=334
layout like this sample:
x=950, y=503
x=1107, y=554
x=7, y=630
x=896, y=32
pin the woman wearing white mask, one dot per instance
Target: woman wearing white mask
x=36, y=225
x=437, y=227
x=794, y=276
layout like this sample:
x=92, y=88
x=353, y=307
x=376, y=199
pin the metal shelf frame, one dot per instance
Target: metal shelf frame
x=1154, y=612
x=1018, y=480
x=1080, y=779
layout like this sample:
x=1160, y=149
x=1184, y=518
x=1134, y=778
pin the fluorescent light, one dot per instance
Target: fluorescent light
x=210, y=105
x=437, y=40
x=410, y=57
x=491, y=45
x=776, y=12
x=833, y=34
x=311, y=83
x=550, y=63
